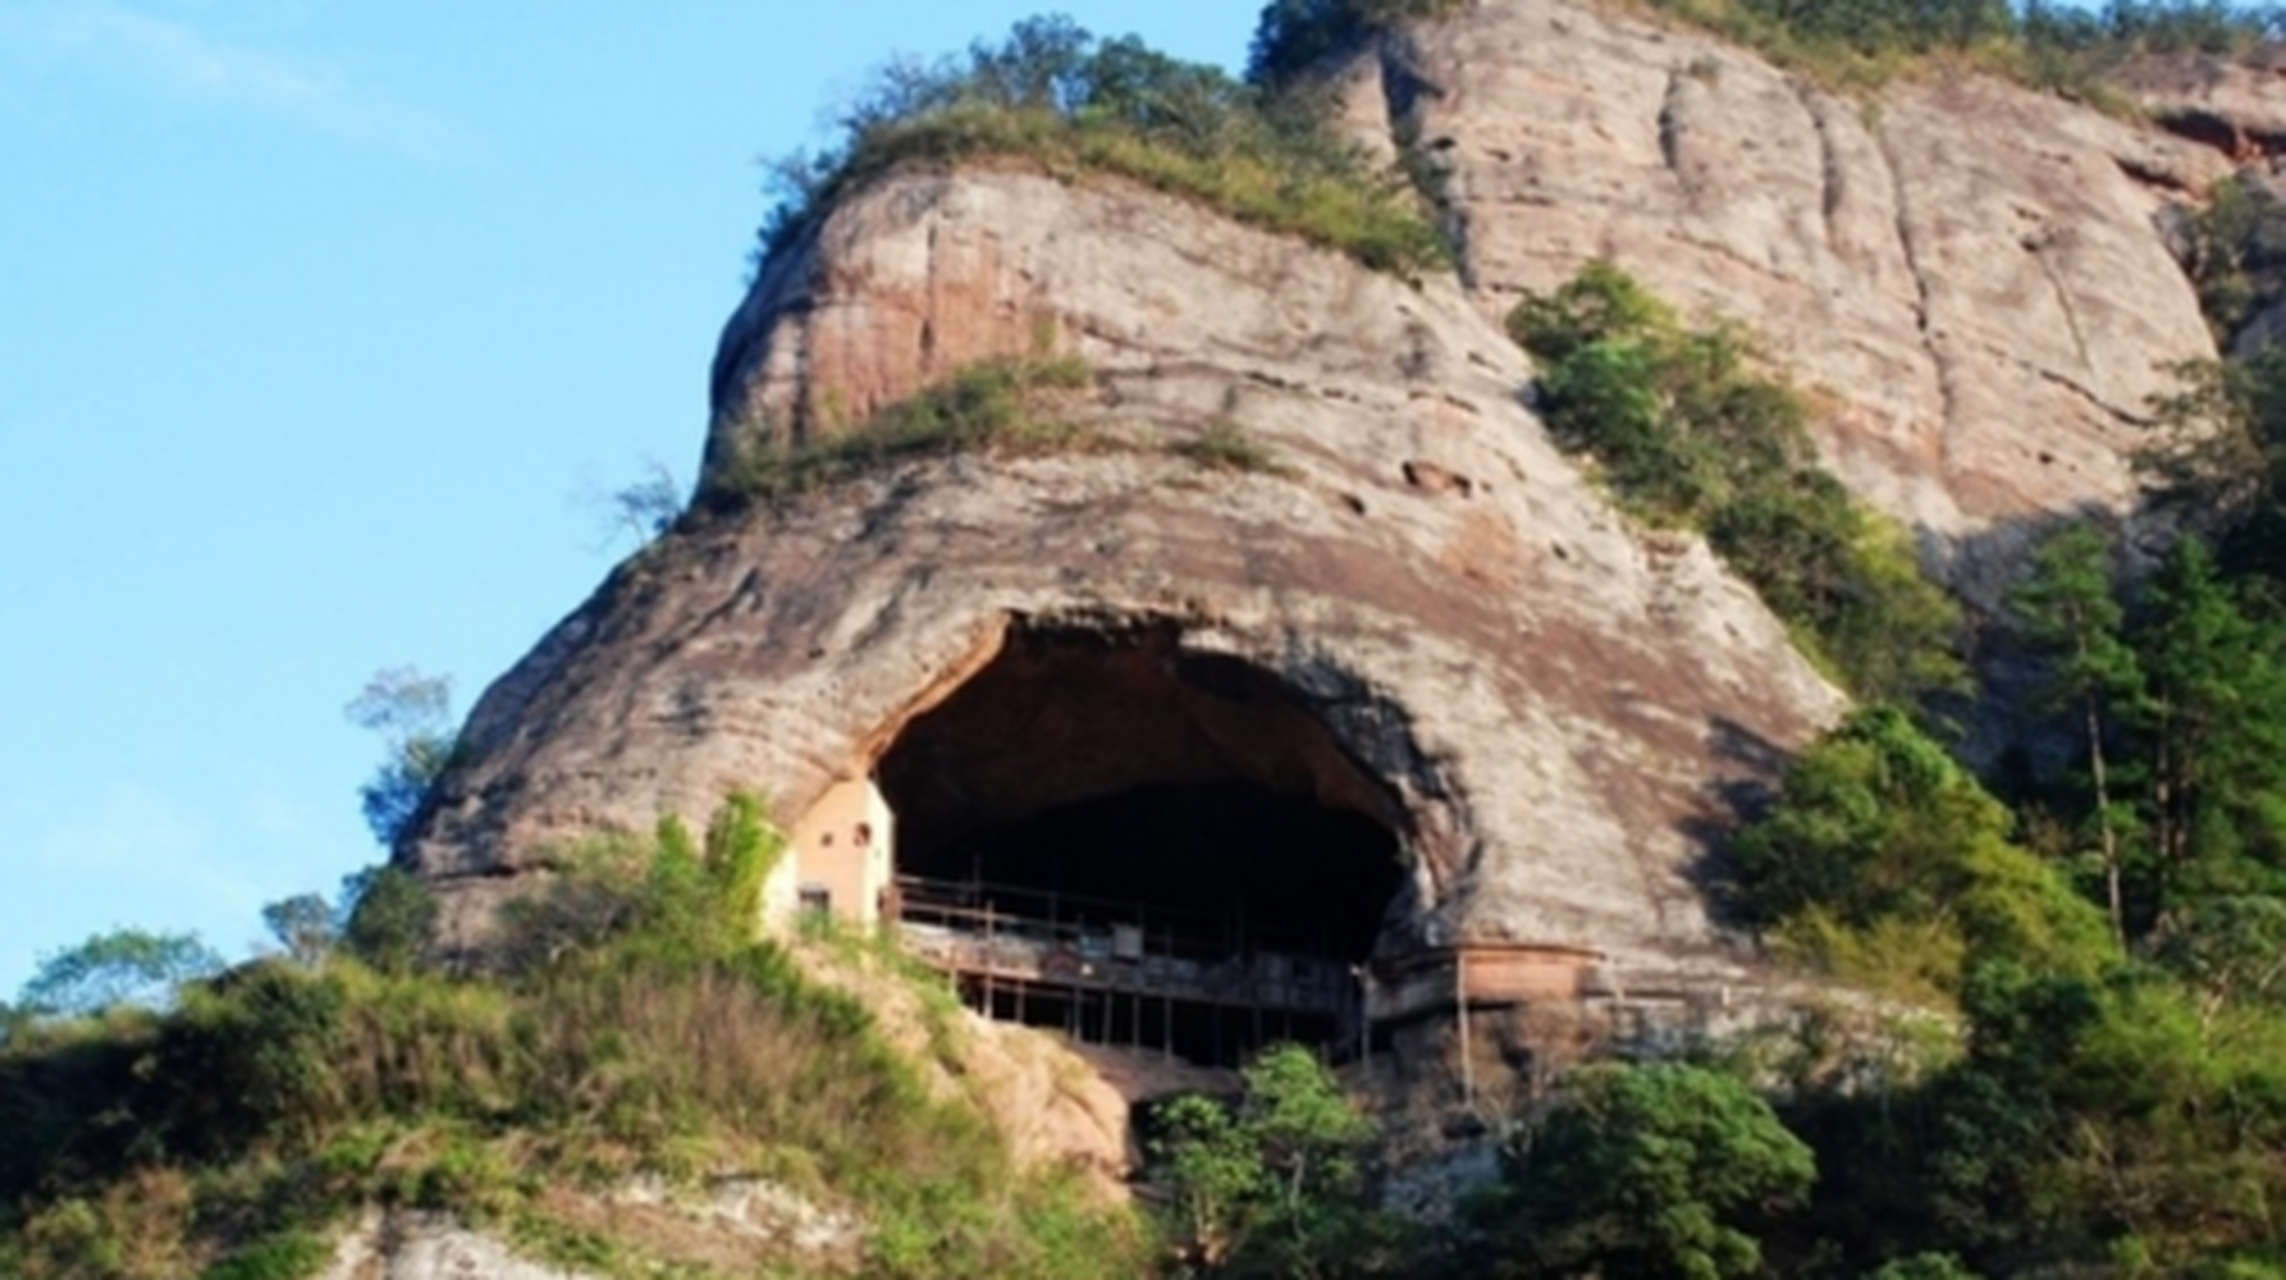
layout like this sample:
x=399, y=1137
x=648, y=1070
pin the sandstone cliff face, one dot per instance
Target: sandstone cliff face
x=1977, y=273
x=1437, y=622
x=1541, y=700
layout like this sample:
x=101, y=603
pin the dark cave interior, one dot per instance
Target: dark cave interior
x=1133, y=780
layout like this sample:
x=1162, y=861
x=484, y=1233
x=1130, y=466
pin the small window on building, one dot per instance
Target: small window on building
x=817, y=900
x=826, y=841
x=864, y=834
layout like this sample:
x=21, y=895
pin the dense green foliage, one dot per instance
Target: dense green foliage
x=2219, y=460
x=1054, y=97
x=2174, y=801
x=1687, y=433
x=2236, y=254
x=2066, y=48
x=1275, y=1185
x=1294, y=35
x=2120, y=1106
x=646, y=1033
x=1641, y=1171
x=1886, y=863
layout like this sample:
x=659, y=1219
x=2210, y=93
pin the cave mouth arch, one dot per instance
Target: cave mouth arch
x=1108, y=780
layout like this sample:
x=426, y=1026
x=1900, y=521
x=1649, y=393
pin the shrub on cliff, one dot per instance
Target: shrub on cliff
x=1009, y=405
x=1293, y=35
x=2058, y=47
x=1054, y=96
x=1688, y=433
x=1885, y=863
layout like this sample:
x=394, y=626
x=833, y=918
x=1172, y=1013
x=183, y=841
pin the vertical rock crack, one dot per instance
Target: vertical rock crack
x=1908, y=244
x=1832, y=176
x=1670, y=125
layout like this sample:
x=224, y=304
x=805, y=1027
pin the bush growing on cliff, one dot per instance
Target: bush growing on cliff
x=1055, y=97
x=412, y=712
x=1293, y=35
x=1686, y=433
x=2056, y=47
x=1885, y=863
x=1010, y=405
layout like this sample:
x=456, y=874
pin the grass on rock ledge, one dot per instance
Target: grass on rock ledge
x=1012, y=407
x=2074, y=51
x=1054, y=96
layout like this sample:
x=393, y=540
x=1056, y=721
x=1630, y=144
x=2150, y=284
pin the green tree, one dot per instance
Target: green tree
x=124, y=966
x=413, y=714
x=647, y=508
x=2070, y=614
x=2219, y=458
x=1876, y=828
x=1642, y=1172
x=2214, y=732
x=2231, y=951
x=388, y=918
x=305, y=924
x=1293, y=35
x=2105, y=1121
x=1055, y=95
x=1275, y=1186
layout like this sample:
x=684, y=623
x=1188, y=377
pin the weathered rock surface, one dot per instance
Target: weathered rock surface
x=1546, y=701
x=1972, y=270
x=1436, y=622
x=728, y=1227
x=2229, y=104
x=426, y=1246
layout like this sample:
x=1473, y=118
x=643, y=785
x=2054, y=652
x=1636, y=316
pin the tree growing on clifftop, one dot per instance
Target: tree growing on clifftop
x=413, y=714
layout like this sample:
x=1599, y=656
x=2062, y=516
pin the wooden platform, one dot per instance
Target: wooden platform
x=1015, y=935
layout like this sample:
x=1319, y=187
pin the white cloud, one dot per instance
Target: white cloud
x=178, y=59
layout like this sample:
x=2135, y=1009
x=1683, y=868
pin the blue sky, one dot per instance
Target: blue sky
x=326, y=327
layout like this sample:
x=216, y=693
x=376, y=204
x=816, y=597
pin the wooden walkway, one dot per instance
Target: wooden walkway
x=1013, y=945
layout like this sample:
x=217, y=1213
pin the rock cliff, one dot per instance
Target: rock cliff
x=1413, y=608
x=1977, y=273
x=1449, y=631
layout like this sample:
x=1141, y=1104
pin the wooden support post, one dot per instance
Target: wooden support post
x=1460, y=1011
x=990, y=1009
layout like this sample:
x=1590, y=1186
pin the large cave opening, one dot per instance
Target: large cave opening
x=1144, y=845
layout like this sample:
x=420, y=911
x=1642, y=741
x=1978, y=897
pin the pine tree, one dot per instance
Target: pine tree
x=2215, y=733
x=2070, y=614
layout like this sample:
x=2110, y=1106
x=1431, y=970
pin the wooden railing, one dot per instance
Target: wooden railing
x=1027, y=936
